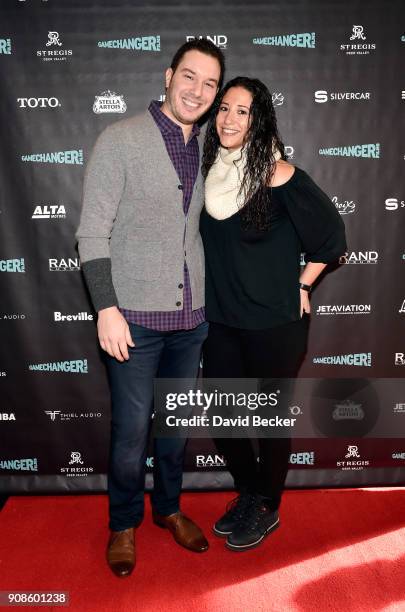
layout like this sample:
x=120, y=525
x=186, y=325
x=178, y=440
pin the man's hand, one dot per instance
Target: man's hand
x=113, y=333
x=305, y=304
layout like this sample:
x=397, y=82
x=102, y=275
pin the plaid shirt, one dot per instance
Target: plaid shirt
x=185, y=159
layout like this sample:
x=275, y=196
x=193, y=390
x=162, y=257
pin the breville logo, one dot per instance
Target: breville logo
x=80, y=316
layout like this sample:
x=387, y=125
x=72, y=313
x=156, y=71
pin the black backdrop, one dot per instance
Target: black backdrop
x=339, y=92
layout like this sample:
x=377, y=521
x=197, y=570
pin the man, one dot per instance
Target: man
x=142, y=258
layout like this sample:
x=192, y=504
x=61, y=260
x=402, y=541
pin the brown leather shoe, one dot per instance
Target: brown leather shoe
x=185, y=532
x=121, y=552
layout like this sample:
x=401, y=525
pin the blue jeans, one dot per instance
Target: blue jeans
x=157, y=354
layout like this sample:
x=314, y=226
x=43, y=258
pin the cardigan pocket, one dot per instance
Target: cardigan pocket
x=143, y=254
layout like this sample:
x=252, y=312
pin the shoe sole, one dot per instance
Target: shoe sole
x=220, y=534
x=244, y=547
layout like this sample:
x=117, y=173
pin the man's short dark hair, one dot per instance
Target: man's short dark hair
x=204, y=46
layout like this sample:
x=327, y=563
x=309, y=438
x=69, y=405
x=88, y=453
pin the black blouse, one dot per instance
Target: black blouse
x=252, y=276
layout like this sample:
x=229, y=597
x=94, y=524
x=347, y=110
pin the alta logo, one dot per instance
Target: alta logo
x=219, y=40
x=109, y=102
x=394, y=204
x=7, y=416
x=343, y=309
x=302, y=39
x=24, y=465
x=345, y=207
x=56, y=54
x=348, y=410
x=71, y=416
x=80, y=316
x=72, y=470
x=64, y=265
x=359, y=257
x=5, y=46
x=12, y=265
x=139, y=43
x=304, y=458
x=38, y=102
x=49, y=211
x=354, y=459
x=206, y=461
x=58, y=157
x=400, y=359
x=76, y=366
x=361, y=48
x=361, y=150
x=351, y=359
x=322, y=96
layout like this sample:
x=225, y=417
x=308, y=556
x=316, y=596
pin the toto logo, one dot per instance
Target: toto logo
x=38, y=102
x=344, y=408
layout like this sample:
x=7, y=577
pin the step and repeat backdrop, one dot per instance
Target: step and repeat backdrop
x=68, y=69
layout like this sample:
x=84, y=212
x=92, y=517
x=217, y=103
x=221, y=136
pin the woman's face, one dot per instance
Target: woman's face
x=233, y=117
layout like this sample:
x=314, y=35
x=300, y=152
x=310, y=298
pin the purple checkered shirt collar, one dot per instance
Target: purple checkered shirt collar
x=164, y=123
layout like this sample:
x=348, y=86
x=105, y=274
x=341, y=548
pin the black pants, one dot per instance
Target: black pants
x=266, y=353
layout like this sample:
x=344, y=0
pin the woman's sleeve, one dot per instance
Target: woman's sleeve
x=316, y=220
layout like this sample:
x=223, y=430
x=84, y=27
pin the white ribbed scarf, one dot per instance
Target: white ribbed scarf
x=222, y=185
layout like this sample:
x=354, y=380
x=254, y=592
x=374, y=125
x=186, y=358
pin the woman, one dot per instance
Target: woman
x=260, y=214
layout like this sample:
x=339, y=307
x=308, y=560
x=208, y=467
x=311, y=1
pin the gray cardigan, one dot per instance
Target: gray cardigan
x=132, y=224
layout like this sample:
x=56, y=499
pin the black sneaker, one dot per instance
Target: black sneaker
x=257, y=523
x=235, y=511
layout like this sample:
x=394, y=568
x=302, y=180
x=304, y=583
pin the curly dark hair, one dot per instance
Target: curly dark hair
x=260, y=162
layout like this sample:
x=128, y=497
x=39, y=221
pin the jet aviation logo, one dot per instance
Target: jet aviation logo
x=109, y=102
x=371, y=150
x=139, y=43
x=302, y=39
x=58, y=157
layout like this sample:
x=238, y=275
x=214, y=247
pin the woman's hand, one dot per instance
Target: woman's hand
x=305, y=304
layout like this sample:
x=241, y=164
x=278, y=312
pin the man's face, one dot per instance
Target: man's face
x=191, y=89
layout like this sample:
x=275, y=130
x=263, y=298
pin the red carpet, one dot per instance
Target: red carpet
x=336, y=550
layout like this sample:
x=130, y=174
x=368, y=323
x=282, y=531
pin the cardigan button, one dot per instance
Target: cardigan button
x=180, y=187
x=181, y=286
x=178, y=303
